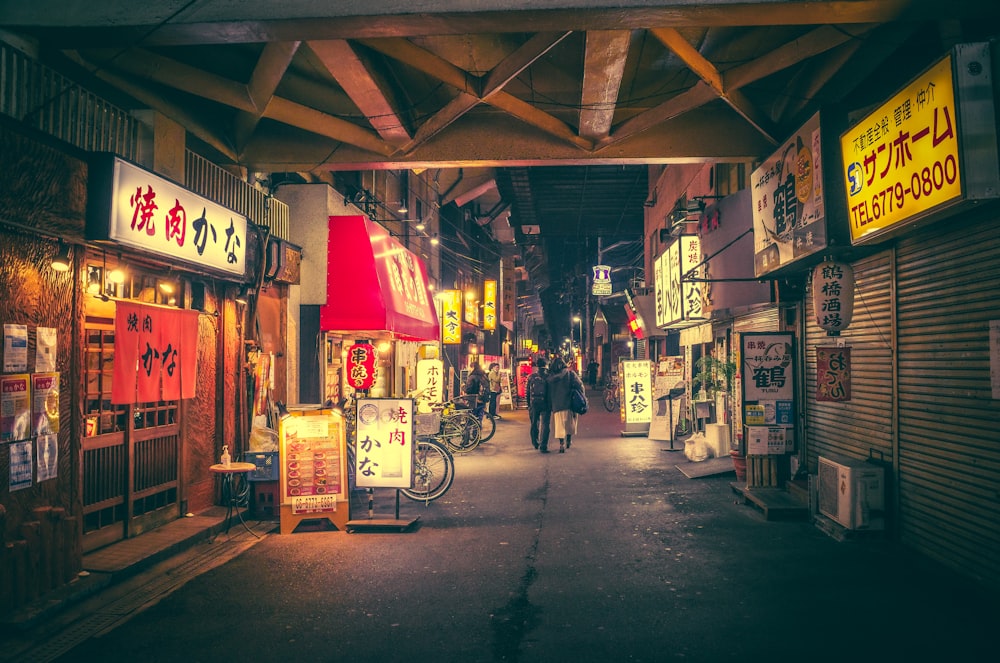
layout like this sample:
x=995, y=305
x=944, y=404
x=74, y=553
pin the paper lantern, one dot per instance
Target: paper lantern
x=361, y=366
x=833, y=296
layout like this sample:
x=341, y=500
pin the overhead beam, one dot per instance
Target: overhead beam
x=267, y=74
x=603, y=68
x=357, y=81
x=122, y=22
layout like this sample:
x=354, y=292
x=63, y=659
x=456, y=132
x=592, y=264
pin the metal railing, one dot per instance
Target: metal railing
x=45, y=100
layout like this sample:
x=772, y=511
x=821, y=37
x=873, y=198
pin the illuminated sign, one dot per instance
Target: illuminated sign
x=926, y=151
x=361, y=359
x=789, y=218
x=637, y=400
x=903, y=159
x=148, y=212
x=471, y=309
x=679, y=300
x=490, y=305
x=451, y=316
x=384, y=457
x=601, y=286
x=430, y=382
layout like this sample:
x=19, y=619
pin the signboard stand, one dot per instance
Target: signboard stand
x=637, y=398
x=386, y=434
x=373, y=524
x=313, y=468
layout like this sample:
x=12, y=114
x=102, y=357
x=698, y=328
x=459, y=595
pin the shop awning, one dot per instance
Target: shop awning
x=374, y=284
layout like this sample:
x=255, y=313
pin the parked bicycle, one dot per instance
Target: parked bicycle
x=612, y=398
x=487, y=424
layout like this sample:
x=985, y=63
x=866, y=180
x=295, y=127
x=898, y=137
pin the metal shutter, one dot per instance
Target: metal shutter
x=948, y=283
x=862, y=426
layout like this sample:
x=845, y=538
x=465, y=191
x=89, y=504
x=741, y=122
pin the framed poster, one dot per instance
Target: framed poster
x=768, y=377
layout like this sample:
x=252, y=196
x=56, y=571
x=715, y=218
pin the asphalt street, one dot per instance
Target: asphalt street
x=605, y=553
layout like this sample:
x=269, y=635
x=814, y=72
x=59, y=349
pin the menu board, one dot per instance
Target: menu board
x=312, y=461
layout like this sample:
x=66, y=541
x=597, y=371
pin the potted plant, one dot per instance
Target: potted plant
x=715, y=377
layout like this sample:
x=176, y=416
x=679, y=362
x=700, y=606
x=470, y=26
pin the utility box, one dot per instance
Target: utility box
x=852, y=493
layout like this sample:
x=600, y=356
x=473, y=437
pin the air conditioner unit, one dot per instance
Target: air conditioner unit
x=852, y=493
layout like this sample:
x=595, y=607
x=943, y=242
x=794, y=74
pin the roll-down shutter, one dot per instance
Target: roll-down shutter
x=862, y=426
x=948, y=292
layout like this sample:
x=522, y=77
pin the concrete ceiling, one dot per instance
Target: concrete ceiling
x=552, y=107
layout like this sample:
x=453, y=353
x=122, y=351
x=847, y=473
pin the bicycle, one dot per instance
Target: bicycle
x=612, y=399
x=487, y=424
x=460, y=429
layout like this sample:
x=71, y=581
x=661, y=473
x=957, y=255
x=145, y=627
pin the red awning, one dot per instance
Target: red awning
x=374, y=284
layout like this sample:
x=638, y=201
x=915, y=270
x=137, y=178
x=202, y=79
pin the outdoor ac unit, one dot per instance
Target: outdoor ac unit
x=852, y=493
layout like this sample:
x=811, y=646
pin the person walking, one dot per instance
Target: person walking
x=494, y=377
x=561, y=383
x=592, y=373
x=478, y=386
x=539, y=410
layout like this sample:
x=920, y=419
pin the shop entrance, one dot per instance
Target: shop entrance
x=131, y=453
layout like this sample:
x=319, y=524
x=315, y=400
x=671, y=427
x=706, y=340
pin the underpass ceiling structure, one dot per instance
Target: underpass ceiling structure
x=550, y=109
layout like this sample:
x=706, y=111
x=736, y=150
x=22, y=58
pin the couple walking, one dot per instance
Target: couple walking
x=549, y=399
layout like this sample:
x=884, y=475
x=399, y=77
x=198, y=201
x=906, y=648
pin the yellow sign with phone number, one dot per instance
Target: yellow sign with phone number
x=902, y=160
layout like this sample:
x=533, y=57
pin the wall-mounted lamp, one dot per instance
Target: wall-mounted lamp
x=435, y=240
x=244, y=295
x=61, y=262
x=420, y=225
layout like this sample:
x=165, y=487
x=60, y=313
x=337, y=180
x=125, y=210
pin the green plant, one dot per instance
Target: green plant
x=713, y=375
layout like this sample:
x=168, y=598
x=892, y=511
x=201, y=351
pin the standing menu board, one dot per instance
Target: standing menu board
x=312, y=460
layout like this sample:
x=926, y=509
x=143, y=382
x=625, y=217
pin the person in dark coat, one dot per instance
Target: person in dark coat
x=561, y=382
x=539, y=411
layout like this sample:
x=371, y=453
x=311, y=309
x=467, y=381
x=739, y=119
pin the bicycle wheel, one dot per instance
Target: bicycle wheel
x=460, y=432
x=610, y=400
x=488, y=427
x=433, y=472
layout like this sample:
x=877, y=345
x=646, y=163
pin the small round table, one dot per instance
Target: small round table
x=227, y=472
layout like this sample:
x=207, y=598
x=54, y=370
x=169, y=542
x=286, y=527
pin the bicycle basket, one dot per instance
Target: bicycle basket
x=428, y=424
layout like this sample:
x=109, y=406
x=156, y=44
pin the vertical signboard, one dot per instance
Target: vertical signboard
x=679, y=295
x=451, y=316
x=768, y=383
x=833, y=374
x=490, y=305
x=789, y=216
x=385, y=436
x=312, y=460
x=430, y=382
x=637, y=395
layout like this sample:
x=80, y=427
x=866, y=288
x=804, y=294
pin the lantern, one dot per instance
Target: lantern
x=361, y=366
x=833, y=296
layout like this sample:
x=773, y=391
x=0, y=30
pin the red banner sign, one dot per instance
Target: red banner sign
x=156, y=352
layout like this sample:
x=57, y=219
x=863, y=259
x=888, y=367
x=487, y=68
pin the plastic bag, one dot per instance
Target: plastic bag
x=696, y=448
x=263, y=439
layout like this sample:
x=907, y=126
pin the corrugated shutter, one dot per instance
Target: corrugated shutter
x=863, y=425
x=765, y=320
x=948, y=287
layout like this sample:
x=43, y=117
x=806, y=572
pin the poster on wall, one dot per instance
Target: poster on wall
x=15, y=407
x=833, y=374
x=385, y=433
x=15, y=348
x=45, y=349
x=48, y=457
x=20, y=465
x=45, y=403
